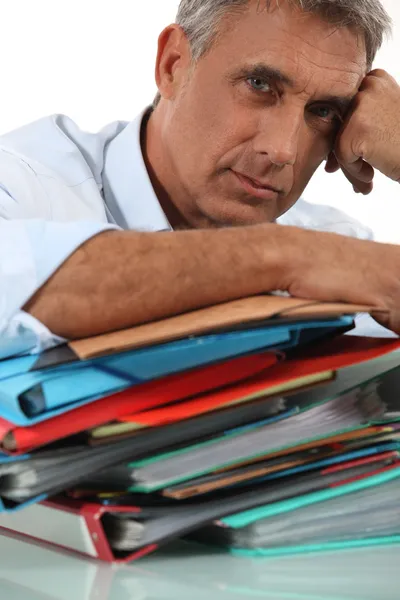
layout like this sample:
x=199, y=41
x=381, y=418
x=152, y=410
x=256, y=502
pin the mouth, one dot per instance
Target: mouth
x=256, y=188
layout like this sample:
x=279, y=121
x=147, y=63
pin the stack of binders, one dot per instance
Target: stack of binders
x=256, y=425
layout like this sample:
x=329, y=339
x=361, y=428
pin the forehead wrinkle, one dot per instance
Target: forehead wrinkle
x=333, y=69
x=323, y=29
x=356, y=36
x=289, y=44
x=292, y=50
x=328, y=34
x=302, y=72
x=335, y=76
x=302, y=38
x=352, y=66
x=305, y=81
x=334, y=56
x=327, y=88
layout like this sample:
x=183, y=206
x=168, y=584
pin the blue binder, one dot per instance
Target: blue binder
x=29, y=396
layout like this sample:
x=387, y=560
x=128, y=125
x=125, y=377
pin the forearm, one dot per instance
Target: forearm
x=121, y=279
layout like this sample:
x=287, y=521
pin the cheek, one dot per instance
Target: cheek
x=208, y=148
x=215, y=121
x=313, y=152
x=204, y=131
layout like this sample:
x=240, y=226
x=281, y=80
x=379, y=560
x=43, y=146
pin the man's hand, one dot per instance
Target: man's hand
x=329, y=267
x=370, y=136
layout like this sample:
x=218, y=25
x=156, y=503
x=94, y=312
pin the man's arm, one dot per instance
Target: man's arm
x=121, y=279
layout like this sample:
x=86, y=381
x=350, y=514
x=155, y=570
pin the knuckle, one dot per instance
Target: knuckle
x=379, y=73
x=381, y=82
x=359, y=147
x=354, y=143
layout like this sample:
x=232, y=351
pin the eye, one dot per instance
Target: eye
x=325, y=119
x=327, y=113
x=259, y=84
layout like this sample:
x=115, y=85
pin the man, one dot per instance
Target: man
x=178, y=209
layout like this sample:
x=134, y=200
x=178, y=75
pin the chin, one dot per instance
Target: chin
x=238, y=215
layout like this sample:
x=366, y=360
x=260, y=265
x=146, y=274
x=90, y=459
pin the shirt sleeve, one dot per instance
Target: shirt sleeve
x=32, y=248
x=31, y=251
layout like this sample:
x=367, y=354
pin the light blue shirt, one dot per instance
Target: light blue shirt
x=59, y=187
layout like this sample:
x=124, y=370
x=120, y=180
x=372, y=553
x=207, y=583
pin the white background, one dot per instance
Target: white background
x=94, y=60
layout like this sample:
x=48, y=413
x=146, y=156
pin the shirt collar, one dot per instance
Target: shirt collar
x=128, y=191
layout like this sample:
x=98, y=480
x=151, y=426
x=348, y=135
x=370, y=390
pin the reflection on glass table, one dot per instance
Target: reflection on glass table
x=186, y=571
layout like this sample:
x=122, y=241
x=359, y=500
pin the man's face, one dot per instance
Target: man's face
x=246, y=127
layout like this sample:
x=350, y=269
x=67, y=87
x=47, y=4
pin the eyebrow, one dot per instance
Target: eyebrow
x=263, y=71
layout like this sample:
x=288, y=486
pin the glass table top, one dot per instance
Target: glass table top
x=184, y=571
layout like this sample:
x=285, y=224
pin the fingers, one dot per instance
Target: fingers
x=349, y=151
x=359, y=171
x=391, y=321
x=360, y=174
x=370, y=136
x=332, y=165
x=361, y=184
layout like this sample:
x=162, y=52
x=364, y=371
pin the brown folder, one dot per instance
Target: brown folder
x=248, y=312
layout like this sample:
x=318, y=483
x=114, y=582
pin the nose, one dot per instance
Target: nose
x=279, y=134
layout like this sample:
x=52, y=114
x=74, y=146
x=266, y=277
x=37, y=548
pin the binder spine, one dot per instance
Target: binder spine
x=71, y=526
x=92, y=514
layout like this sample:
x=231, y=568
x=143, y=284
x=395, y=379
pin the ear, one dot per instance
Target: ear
x=173, y=61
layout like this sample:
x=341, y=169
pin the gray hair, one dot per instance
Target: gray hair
x=200, y=19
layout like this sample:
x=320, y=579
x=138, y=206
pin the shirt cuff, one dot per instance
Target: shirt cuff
x=26, y=335
x=30, y=253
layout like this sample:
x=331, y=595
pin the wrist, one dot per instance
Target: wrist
x=283, y=255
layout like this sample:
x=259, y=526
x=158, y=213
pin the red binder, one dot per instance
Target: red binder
x=322, y=358
x=70, y=525
x=18, y=440
x=125, y=406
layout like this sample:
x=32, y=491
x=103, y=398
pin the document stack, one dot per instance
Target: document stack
x=258, y=426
